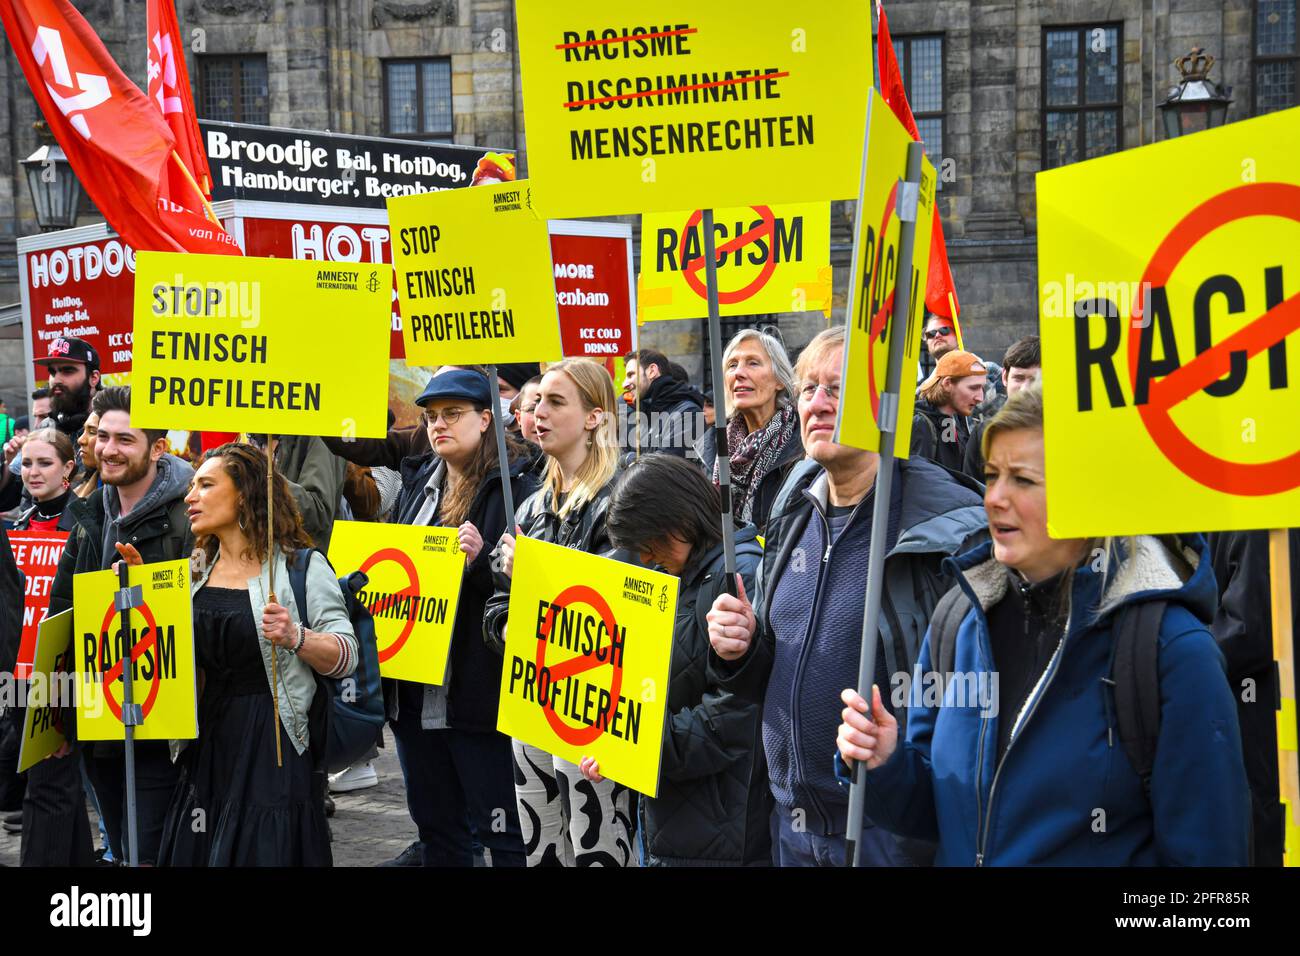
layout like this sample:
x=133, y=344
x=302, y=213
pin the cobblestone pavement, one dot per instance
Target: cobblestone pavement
x=369, y=826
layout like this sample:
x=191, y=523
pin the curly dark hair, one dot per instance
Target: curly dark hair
x=246, y=467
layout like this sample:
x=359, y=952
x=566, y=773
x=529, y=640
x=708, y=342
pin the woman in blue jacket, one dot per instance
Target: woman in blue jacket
x=1022, y=762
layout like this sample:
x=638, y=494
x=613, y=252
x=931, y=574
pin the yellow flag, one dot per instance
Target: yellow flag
x=872, y=321
x=239, y=344
x=588, y=643
x=771, y=259
x=677, y=104
x=474, y=277
x=414, y=574
x=1170, y=298
x=48, y=691
x=161, y=651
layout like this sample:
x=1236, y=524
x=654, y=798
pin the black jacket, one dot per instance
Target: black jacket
x=11, y=605
x=672, y=417
x=159, y=529
x=475, y=688
x=582, y=529
x=713, y=807
x=768, y=486
x=1243, y=629
x=940, y=437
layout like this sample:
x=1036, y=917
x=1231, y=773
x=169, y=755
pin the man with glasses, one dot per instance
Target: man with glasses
x=795, y=647
x=940, y=338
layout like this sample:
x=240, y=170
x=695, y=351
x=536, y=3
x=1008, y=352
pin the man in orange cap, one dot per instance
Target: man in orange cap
x=944, y=402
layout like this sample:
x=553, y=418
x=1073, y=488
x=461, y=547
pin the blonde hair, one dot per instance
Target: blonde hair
x=596, y=391
x=821, y=345
x=785, y=391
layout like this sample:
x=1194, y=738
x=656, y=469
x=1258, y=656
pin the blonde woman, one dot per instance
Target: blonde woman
x=567, y=819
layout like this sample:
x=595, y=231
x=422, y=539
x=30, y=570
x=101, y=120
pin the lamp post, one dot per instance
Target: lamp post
x=56, y=191
x=1197, y=102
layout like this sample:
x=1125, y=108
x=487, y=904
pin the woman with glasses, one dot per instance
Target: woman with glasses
x=762, y=425
x=458, y=771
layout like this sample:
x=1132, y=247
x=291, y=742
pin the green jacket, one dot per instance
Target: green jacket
x=316, y=476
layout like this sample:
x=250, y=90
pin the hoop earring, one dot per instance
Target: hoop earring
x=241, y=524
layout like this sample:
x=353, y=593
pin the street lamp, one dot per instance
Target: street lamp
x=1196, y=103
x=56, y=191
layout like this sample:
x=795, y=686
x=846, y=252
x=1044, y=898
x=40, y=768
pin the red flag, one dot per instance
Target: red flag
x=169, y=90
x=939, y=283
x=118, y=145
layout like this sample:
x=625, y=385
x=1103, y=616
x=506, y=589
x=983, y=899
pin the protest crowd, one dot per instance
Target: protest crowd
x=1037, y=698
x=763, y=721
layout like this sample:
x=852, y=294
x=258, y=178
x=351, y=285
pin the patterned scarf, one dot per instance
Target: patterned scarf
x=755, y=454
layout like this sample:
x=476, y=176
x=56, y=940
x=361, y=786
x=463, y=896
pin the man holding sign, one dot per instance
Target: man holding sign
x=140, y=509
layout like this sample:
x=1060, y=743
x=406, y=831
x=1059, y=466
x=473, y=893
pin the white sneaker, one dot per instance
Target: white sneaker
x=357, y=777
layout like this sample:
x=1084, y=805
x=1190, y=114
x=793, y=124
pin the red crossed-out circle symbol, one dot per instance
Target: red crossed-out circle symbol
x=578, y=594
x=412, y=590
x=1230, y=477
x=148, y=642
x=880, y=318
x=691, y=268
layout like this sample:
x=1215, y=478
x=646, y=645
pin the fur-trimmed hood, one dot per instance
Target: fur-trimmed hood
x=1172, y=567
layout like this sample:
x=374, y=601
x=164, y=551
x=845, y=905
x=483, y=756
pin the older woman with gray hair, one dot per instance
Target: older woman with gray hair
x=762, y=424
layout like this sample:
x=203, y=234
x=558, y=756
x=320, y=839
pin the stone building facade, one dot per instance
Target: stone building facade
x=975, y=70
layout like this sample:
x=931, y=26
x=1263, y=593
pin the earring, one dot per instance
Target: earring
x=241, y=524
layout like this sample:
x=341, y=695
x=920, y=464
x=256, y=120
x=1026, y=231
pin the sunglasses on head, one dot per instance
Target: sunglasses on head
x=940, y=332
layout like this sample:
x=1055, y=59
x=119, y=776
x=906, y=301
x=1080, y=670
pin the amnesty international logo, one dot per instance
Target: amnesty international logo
x=663, y=598
x=372, y=284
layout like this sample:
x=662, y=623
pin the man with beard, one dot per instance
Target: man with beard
x=73, y=369
x=142, y=506
x=668, y=406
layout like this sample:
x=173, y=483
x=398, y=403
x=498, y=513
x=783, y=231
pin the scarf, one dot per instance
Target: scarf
x=754, y=455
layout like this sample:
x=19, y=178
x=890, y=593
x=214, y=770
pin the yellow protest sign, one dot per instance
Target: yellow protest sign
x=413, y=590
x=771, y=259
x=871, y=317
x=1169, y=293
x=162, y=653
x=674, y=104
x=49, y=690
x=238, y=344
x=588, y=642
x=474, y=277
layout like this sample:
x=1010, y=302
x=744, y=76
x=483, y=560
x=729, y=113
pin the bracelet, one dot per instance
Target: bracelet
x=302, y=639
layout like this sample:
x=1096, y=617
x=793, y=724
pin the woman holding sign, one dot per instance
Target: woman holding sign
x=763, y=438
x=575, y=427
x=1054, y=634
x=456, y=764
x=253, y=812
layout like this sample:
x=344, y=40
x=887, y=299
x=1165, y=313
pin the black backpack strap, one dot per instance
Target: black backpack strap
x=298, y=563
x=948, y=615
x=1135, y=680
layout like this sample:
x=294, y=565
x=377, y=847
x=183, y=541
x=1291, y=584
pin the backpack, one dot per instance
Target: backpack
x=356, y=711
x=1134, y=679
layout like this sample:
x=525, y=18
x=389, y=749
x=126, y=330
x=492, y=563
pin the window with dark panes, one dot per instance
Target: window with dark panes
x=417, y=98
x=1082, y=93
x=920, y=61
x=1275, y=55
x=234, y=89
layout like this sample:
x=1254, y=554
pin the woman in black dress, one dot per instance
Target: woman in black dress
x=233, y=806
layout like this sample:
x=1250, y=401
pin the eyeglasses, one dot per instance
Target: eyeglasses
x=449, y=415
x=810, y=389
x=940, y=332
